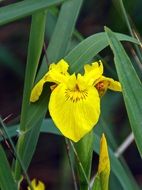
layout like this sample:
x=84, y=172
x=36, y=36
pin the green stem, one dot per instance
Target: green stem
x=83, y=151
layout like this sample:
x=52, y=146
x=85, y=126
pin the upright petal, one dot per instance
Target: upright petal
x=58, y=72
x=93, y=72
x=74, y=112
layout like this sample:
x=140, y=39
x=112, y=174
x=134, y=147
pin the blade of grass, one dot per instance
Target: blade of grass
x=131, y=85
x=23, y=9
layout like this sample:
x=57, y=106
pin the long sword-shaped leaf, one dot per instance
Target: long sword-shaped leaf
x=86, y=50
x=6, y=179
x=24, y=8
x=34, y=52
x=131, y=85
x=62, y=33
x=90, y=47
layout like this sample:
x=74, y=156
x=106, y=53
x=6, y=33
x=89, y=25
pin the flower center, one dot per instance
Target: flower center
x=74, y=95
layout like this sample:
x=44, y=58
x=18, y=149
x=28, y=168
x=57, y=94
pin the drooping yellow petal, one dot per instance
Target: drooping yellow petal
x=37, y=90
x=104, y=83
x=74, y=111
x=37, y=185
x=93, y=72
x=57, y=73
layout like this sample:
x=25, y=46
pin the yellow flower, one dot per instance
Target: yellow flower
x=74, y=103
x=37, y=185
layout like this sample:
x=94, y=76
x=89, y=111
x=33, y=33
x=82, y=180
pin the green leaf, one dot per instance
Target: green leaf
x=131, y=85
x=85, y=51
x=34, y=52
x=62, y=33
x=63, y=30
x=90, y=47
x=97, y=183
x=6, y=179
x=23, y=9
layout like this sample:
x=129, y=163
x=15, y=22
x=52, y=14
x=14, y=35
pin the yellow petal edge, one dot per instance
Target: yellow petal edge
x=37, y=185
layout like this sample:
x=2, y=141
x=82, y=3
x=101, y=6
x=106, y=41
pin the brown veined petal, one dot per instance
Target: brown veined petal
x=75, y=113
x=104, y=83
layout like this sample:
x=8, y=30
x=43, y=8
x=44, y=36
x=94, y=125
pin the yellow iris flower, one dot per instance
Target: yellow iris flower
x=74, y=103
x=37, y=185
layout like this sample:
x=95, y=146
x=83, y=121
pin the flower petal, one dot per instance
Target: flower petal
x=37, y=90
x=39, y=185
x=104, y=83
x=113, y=85
x=57, y=73
x=93, y=72
x=75, y=116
